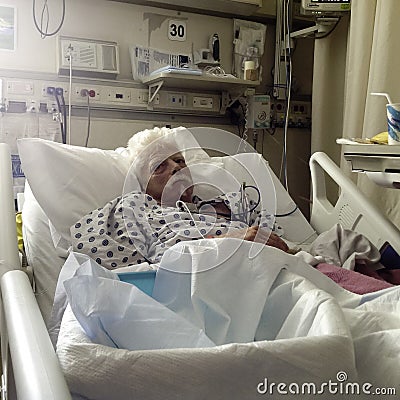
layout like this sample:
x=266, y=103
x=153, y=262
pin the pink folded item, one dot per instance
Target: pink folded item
x=352, y=281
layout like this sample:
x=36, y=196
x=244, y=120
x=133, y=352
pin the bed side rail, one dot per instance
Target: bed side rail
x=352, y=210
x=8, y=232
x=37, y=372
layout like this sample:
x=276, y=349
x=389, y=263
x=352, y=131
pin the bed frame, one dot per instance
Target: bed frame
x=36, y=370
x=352, y=210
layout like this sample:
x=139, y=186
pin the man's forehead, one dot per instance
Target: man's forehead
x=163, y=152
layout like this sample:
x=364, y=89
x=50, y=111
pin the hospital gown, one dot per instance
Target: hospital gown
x=134, y=228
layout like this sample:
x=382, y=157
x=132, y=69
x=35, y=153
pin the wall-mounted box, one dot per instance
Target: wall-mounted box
x=87, y=58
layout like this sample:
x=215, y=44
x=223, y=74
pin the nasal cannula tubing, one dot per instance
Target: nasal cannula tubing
x=70, y=48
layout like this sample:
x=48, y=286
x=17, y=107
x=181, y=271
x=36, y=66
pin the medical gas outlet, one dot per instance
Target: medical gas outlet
x=90, y=93
x=82, y=92
x=258, y=114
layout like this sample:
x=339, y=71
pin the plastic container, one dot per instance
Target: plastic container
x=143, y=280
x=393, y=120
x=250, y=72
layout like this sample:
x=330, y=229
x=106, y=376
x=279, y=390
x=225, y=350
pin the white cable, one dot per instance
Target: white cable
x=282, y=34
x=288, y=69
x=214, y=70
x=45, y=10
x=278, y=46
x=289, y=90
x=284, y=155
x=88, y=121
x=70, y=97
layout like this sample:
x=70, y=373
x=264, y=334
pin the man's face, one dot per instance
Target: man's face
x=170, y=179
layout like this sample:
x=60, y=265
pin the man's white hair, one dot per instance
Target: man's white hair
x=139, y=141
x=145, y=144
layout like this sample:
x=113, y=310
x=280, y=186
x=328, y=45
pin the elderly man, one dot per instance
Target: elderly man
x=142, y=224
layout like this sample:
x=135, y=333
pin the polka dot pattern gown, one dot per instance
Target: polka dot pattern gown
x=134, y=228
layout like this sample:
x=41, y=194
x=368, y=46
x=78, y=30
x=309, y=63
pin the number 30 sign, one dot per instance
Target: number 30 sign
x=177, y=30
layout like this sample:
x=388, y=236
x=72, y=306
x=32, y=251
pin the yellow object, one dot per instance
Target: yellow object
x=380, y=138
x=18, y=219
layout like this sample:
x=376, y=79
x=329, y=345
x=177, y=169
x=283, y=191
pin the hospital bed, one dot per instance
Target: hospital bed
x=34, y=363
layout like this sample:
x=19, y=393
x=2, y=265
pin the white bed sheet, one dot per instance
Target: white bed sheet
x=46, y=261
x=368, y=346
x=314, y=330
x=367, y=349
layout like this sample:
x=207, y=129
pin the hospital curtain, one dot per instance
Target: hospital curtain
x=361, y=56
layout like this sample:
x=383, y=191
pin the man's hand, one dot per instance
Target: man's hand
x=259, y=235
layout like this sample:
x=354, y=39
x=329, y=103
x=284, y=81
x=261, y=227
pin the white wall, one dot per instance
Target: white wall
x=127, y=24
x=111, y=133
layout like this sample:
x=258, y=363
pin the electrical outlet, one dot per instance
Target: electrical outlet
x=176, y=100
x=20, y=87
x=202, y=102
x=299, y=114
x=143, y=97
x=119, y=95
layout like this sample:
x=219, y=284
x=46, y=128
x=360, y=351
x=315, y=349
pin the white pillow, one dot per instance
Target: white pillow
x=224, y=174
x=70, y=181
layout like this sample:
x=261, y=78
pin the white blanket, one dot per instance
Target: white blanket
x=310, y=332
